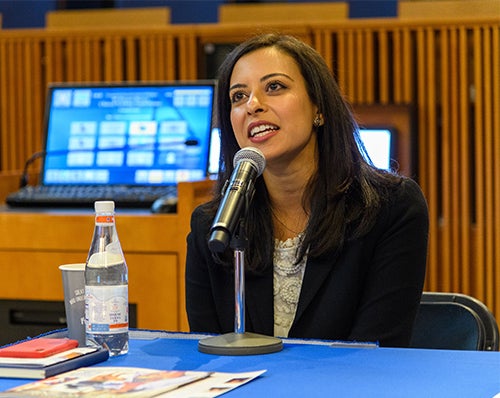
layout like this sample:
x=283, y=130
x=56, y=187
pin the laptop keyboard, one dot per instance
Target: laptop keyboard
x=85, y=196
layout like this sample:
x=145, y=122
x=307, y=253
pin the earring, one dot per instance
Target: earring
x=318, y=121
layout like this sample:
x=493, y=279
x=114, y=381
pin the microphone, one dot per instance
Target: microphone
x=249, y=163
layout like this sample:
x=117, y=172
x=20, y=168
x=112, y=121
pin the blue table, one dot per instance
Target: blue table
x=302, y=369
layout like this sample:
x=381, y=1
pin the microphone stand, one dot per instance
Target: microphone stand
x=239, y=342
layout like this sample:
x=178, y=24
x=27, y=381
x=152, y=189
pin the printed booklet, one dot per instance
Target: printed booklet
x=133, y=382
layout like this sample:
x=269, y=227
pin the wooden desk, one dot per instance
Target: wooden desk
x=33, y=243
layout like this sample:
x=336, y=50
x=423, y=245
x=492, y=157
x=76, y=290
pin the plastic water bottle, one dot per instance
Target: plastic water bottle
x=106, y=285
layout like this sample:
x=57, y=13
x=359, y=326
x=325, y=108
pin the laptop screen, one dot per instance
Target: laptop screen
x=128, y=134
x=379, y=144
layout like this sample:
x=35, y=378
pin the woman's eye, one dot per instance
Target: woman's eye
x=237, y=96
x=275, y=86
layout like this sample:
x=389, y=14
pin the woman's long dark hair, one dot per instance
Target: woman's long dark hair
x=346, y=192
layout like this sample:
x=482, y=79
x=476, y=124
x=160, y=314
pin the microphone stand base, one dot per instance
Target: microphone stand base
x=240, y=344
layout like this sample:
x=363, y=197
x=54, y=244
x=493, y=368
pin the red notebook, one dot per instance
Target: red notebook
x=38, y=348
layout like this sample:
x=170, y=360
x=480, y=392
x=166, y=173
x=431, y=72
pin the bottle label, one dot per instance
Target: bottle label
x=104, y=219
x=106, y=309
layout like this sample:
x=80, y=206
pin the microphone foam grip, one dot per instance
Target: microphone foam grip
x=252, y=155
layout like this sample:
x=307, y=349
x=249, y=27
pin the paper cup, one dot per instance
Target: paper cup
x=74, y=300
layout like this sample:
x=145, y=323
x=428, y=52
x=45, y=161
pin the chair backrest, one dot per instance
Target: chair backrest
x=454, y=321
x=432, y=9
x=262, y=13
x=108, y=17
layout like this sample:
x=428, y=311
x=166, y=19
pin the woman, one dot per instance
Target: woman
x=336, y=248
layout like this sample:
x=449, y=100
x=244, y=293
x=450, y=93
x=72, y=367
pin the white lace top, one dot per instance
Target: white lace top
x=287, y=284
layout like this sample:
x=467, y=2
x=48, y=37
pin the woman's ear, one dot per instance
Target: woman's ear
x=318, y=120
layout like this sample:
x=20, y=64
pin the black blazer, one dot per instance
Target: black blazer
x=370, y=292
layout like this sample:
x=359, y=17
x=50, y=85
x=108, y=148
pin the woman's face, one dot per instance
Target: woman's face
x=270, y=107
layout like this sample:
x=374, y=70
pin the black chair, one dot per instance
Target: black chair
x=454, y=321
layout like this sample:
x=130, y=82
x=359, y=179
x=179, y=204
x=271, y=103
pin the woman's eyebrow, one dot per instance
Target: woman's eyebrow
x=262, y=79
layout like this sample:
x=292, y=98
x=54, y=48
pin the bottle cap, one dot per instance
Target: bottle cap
x=104, y=206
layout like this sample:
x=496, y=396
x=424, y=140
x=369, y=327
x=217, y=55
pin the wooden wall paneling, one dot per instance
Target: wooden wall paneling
x=3, y=98
x=433, y=147
x=166, y=68
x=171, y=57
x=7, y=88
x=114, y=59
x=27, y=69
x=154, y=59
x=324, y=42
x=350, y=70
x=145, y=49
x=107, y=48
x=464, y=245
x=54, y=60
x=359, y=57
x=73, y=59
x=371, y=61
x=409, y=66
x=423, y=161
x=187, y=68
x=132, y=57
x=341, y=61
x=77, y=56
x=398, y=62
x=34, y=101
x=158, y=57
x=97, y=55
x=496, y=164
x=446, y=220
x=450, y=151
x=157, y=61
x=384, y=76
x=17, y=98
x=479, y=183
x=487, y=116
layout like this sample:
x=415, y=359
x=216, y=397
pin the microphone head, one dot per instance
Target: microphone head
x=252, y=155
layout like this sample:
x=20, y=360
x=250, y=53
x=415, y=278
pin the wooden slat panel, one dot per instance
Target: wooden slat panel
x=398, y=56
x=424, y=141
x=486, y=114
x=33, y=102
x=341, y=60
x=477, y=54
x=495, y=305
x=446, y=202
x=408, y=66
x=450, y=115
x=17, y=98
x=384, y=76
x=464, y=165
x=188, y=57
x=432, y=146
x=350, y=66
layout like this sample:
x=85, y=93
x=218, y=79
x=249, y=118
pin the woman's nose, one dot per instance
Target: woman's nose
x=254, y=104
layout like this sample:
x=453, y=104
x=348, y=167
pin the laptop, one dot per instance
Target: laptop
x=127, y=142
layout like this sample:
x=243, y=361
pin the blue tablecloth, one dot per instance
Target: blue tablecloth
x=319, y=370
